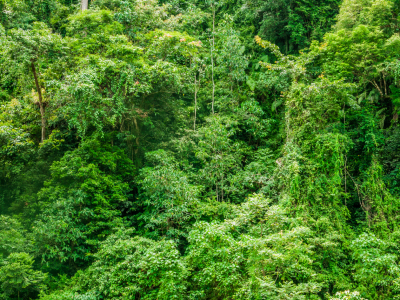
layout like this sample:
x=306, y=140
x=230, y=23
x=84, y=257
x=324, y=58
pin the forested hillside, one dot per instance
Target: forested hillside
x=199, y=149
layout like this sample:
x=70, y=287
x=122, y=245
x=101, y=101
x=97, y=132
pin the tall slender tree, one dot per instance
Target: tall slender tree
x=30, y=51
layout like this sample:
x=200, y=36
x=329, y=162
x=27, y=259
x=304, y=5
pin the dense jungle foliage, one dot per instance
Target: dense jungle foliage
x=188, y=150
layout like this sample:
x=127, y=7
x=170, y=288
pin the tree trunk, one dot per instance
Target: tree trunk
x=212, y=59
x=84, y=4
x=195, y=100
x=137, y=135
x=41, y=104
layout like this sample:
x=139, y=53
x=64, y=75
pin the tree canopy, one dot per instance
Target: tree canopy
x=188, y=150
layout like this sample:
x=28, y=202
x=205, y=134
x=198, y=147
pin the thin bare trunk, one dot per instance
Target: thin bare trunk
x=377, y=87
x=212, y=59
x=137, y=135
x=195, y=100
x=222, y=188
x=84, y=4
x=345, y=157
x=384, y=81
x=41, y=104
